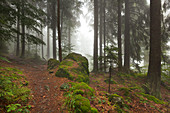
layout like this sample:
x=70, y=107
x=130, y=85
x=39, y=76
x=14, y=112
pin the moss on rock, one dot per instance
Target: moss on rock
x=81, y=104
x=52, y=63
x=82, y=61
x=74, y=67
x=88, y=91
x=94, y=110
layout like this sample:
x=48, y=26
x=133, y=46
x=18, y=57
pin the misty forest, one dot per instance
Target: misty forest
x=85, y=56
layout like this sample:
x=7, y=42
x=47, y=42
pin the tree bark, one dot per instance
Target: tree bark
x=101, y=32
x=23, y=32
x=48, y=31
x=69, y=39
x=42, y=48
x=54, y=28
x=104, y=33
x=127, y=37
x=95, y=64
x=119, y=37
x=154, y=70
x=18, y=29
x=59, y=33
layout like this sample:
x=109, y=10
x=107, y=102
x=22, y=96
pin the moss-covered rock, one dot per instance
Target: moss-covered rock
x=94, y=110
x=82, y=104
x=82, y=88
x=74, y=67
x=52, y=63
x=81, y=60
x=116, y=99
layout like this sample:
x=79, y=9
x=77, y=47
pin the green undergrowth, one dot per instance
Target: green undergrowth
x=14, y=94
x=135, y=75
x=152, y=98
x=4, y=59
x=118, y=103
x=78, y=96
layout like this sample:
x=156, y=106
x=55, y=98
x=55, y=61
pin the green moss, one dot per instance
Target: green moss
x=78, y=92
x=88, y=91
x=82, y=104
x=82, y=61
x=94, y=110
x=152, y=98
x=12, y=88
x=67, y=63
x=52, y=63
x=114, y=95
x=79, y=73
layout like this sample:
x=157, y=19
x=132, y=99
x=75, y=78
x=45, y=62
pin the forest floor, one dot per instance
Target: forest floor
x=48, y=98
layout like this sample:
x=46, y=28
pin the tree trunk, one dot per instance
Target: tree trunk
x=127, y=37
x=119, y=37
x=59, y=33
x=101, y=33
x=48, y=42
x=42, y=48
x=48, y=31
x=23, y=32
x=154, y=70
x=69, y=39
x=54, y=28
x=95, y=64
x=104, y=34
x=18, y=29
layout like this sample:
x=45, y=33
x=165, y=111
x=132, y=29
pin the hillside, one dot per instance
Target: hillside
x=47, y=96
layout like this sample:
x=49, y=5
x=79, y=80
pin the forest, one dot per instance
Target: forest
x=84, y=56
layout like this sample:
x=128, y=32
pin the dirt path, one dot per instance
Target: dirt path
x=47, y=97
x=46, y=94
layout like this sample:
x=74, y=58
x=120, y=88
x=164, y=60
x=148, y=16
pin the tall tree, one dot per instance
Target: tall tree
x=23, y=31
x=127, y=37
x=59, y=33
x=119, y=37
x=104, y=33
x=18, y=29
x=95, y=57
x=54, y=28
x=101, y=32
x=154, y=70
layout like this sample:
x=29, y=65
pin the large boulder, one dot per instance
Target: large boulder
x=52, y=63
x=74, y=67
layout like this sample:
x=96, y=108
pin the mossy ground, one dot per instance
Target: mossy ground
x=14, y=94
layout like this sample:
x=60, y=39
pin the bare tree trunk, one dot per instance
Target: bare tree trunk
x=54, y=28
x=101, y=33
x=48, y=43
x=127, y=37
x=59, y=33
x=119, y=37
x=69, y=39
x=48, y=31
x=42, y=48
x=154, y=70
x=18, y=29
x=23, y=31
x=95, y=64
x=104, y=33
